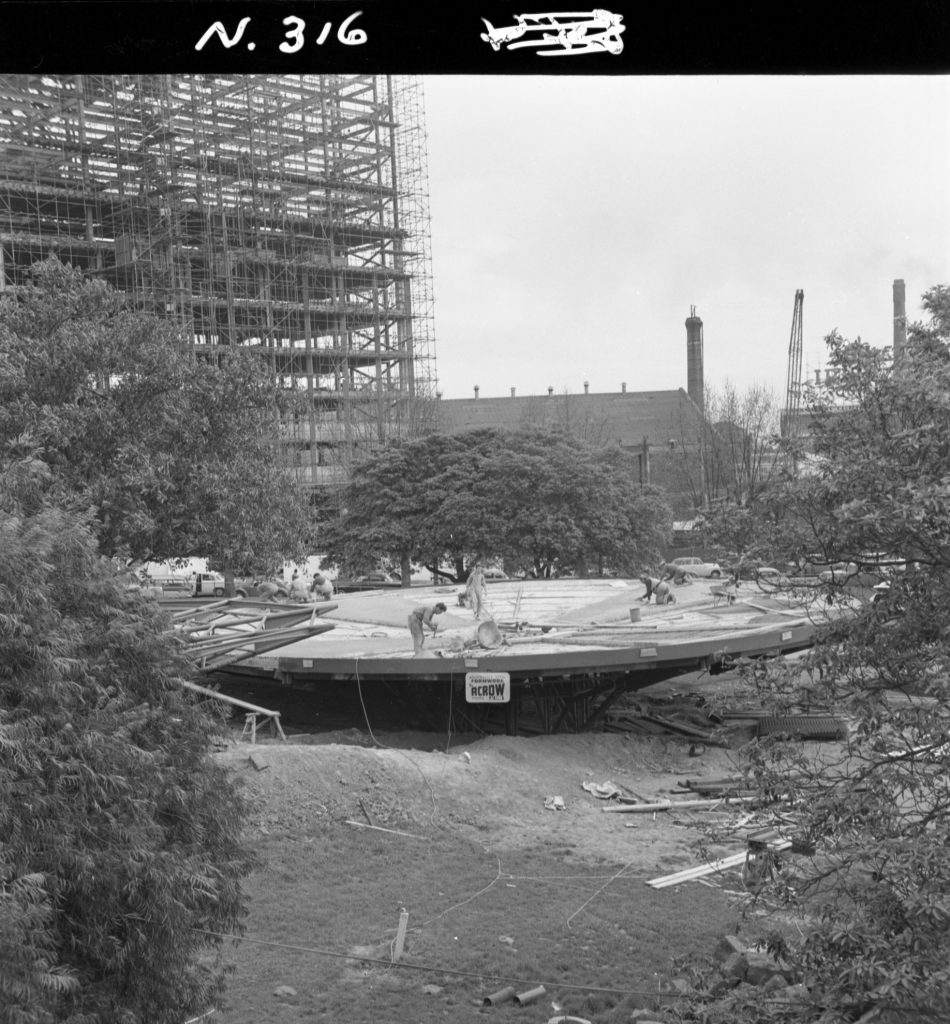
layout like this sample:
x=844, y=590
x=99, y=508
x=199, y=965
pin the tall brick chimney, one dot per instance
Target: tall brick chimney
x=694, y=357
x=900, y=319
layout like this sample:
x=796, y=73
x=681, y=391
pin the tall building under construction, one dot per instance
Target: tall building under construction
x=286, y=213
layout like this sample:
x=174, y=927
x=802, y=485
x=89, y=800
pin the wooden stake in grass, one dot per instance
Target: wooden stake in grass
x=401, y=934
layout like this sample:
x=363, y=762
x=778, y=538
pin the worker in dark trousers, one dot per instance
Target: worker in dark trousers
x=676, y=573
x=651, y=583
x=664, y=594
x=420, y=617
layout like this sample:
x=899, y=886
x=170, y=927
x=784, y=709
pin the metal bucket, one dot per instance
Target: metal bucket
x=634, y=614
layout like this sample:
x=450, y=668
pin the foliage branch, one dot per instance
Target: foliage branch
x=175, y=455
x=870, y=495
x=120, y=838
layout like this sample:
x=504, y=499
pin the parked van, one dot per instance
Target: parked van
x=207, y=584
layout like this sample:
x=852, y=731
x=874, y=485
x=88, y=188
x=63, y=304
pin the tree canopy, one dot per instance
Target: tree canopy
x=175, y=455
x=120, y=839
x=121, y=854
x=538, y=500
x=873, y=489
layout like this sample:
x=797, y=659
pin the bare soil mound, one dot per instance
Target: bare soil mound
x=493, y=791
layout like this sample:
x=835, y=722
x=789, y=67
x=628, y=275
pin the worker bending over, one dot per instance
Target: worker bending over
x=422, y=616
x=321, y=587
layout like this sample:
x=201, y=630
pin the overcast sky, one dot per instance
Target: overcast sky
x=575, y=221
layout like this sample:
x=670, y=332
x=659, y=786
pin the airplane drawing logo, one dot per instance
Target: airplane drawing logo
x=560, y=34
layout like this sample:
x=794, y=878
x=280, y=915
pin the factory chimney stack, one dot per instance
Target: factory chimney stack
x=900, y=319
x=694, y=357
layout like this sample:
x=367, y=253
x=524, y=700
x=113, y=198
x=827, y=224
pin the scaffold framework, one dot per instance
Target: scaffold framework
x=286, y=214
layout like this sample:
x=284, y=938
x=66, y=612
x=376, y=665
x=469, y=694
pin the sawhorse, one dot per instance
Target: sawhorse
x=250, y=724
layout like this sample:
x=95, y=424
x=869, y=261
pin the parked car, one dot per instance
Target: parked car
x=769, y=578
x=850, y=573
x=376, y=580
x=697, y=567
x=815, y=566
x=379, y=577
x=169, y=585
x=251, y=587
x=141, y=584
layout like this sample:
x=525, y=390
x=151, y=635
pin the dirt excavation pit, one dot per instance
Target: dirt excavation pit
x=495, y=790
x=500, y=886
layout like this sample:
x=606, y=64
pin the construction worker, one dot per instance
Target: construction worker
x=299, y=591
x=475, y=590
x=676, y=573
x=651, y=583
x=664, y=594
x=321, y=587
x=422, y=616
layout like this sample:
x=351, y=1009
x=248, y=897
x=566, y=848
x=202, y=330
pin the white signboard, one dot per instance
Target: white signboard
x=487, y=687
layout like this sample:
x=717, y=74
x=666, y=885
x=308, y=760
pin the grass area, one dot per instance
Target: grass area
x=593, y=934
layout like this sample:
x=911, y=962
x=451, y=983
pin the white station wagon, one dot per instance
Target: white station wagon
x=697, y=567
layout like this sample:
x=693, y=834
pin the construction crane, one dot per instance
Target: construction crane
x=793, y=385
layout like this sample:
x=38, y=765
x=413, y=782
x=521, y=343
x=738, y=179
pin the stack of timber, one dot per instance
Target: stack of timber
x=721, y=787
x=679, y=716
x=736, y=860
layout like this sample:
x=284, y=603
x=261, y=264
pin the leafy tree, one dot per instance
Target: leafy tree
x=466, y=521
x=415, y=500
x=177, y=456
x=120, y=839
x=875, y=491
x=569, y=504
x=538, y=499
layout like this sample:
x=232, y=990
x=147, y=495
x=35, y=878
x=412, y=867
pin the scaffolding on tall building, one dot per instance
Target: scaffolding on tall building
x=285, y=214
